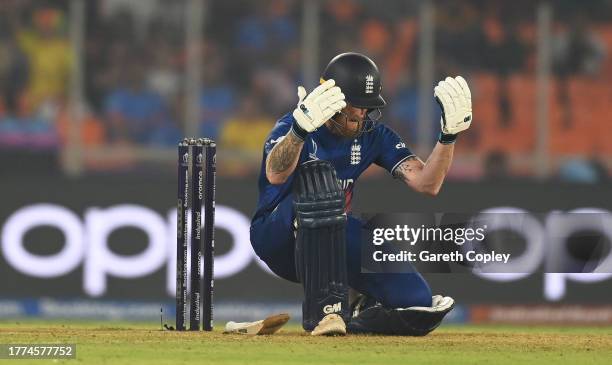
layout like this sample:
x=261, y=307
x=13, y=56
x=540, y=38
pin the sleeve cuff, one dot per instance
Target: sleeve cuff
x=447, y=138
x=298, y=131
x=399, y=163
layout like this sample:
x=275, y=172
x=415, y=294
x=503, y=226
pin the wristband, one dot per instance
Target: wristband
x=447, y=138
x=298, y=131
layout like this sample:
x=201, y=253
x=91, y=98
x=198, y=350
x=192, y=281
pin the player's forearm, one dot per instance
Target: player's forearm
x=283, y=158
x=435, y=169
x=454, y=97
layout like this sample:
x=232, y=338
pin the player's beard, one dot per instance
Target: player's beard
x=339, y=126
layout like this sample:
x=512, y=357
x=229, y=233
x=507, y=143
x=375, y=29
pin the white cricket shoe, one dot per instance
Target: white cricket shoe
x=330, y=325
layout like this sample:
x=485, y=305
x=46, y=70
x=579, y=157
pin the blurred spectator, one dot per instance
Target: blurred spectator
x=133, y=112
x=92, y=130
x=163, y=76
x=108, y=45
x=276, y=89
x=50, y=58
x=602, y=171
x=261, y=35
x=576, y=51
x=460, y=38
x=141, y=12
x=496, y=166
x=35, y=60
x=217, y=99
x=400, y=64
x=13, y=71
x=340, y=22
x=165, y=44
x=375, y=38
x=507, y=54
x=168, y=133
x=402, y=113
x=577, y=170
x=246, y=131
x=267, y=27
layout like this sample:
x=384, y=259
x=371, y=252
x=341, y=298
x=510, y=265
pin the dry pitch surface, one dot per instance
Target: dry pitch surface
x=138, y=343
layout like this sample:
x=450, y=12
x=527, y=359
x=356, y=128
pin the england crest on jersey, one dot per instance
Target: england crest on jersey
x=355, y=153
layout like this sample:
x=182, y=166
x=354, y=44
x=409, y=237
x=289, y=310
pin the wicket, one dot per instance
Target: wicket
x=196, y=189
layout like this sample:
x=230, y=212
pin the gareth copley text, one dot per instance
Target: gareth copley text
x=456, y=257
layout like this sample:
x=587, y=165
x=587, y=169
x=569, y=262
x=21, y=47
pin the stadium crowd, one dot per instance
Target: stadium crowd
x=134, y=61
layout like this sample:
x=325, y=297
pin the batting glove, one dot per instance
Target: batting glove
x=318, y=107
x=454, y=97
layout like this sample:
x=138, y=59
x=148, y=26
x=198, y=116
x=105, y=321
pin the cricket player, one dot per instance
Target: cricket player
x=302, y=227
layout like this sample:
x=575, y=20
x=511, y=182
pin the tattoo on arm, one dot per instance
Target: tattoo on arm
x=285, y=153
x=405, y=169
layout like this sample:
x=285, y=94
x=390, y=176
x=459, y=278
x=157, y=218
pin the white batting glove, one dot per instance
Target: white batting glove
x=454, y=97
x=317, y=108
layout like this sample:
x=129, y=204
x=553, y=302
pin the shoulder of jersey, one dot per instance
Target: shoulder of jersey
x=379, y=129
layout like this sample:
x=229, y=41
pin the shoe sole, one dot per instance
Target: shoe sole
x=330, y=325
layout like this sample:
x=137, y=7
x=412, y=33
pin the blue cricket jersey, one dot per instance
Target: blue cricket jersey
x=350, y=157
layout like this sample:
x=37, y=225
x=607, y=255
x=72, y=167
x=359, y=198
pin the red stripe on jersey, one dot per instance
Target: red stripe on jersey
x=348, y=198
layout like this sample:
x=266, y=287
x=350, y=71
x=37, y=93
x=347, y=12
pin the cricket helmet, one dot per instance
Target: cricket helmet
x=358, y=78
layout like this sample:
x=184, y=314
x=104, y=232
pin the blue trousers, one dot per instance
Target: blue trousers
x=273, y=240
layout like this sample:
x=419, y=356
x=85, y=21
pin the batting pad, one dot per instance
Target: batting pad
x=320, y=251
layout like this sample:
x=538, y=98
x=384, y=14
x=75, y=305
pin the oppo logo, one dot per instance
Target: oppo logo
x=86, y=243
x=550, y=235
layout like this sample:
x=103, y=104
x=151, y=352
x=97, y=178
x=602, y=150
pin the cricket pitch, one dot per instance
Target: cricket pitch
x=141, y=343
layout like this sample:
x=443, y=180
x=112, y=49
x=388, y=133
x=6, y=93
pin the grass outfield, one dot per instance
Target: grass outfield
x=138, y=343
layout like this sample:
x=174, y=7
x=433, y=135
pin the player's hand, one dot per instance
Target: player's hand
x=317, y=108
x=454, y=97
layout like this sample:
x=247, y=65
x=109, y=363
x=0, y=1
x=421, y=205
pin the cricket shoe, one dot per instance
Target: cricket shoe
x=330, y=325
x=266, y=326
x=410, y=321
x=360, y=303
